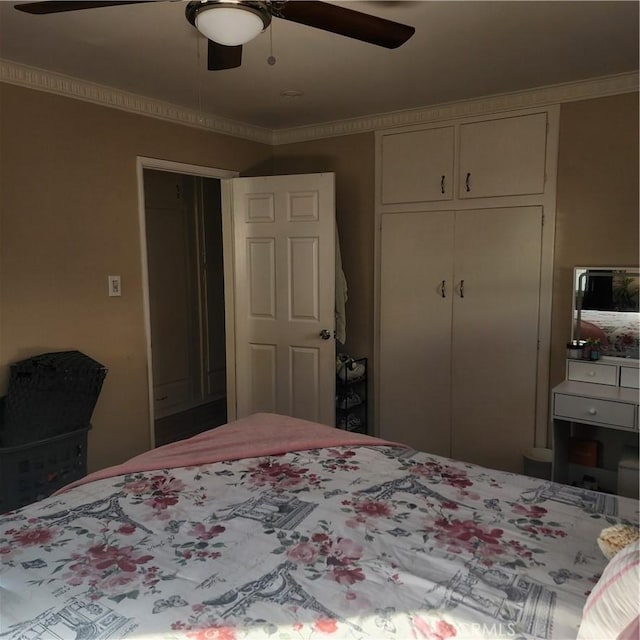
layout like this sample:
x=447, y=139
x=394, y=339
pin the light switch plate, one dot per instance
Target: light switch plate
x=114, y=286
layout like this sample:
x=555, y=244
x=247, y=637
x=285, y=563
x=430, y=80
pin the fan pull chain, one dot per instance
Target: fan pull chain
x=271, y=60
x=199, y=83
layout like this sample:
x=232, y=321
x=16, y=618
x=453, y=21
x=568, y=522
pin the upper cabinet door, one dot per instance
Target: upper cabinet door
x=417, y=166
x=502, y=157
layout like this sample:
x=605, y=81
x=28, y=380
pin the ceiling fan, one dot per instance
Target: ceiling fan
x=228, y=24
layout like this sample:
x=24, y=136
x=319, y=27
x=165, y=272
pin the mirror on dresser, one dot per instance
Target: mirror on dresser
x=606, y=308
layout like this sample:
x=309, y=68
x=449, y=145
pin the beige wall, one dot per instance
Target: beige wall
x=597, y=201
x=69, y=218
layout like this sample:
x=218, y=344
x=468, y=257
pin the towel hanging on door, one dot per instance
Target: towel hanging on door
x=341, y=295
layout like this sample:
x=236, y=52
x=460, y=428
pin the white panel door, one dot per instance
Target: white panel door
x=495, y=335
x=415, y=329
x=284, y=275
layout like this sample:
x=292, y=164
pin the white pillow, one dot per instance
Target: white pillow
x=612, y=607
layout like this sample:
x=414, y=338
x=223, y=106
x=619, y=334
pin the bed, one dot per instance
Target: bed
x=618, y=331
x=273, y=527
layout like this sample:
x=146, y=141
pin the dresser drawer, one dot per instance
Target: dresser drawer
x=592, y=372
x=619, y=414
x=630, y=377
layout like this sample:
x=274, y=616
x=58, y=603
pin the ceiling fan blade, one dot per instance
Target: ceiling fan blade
x=55, y=6
x=345, y=22
x=220, y=56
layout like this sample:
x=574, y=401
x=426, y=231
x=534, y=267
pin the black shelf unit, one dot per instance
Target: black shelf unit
x=351, y=397
x=44, y=423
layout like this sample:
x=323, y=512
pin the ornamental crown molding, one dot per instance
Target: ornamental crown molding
x=51, y=82
x=539, y=97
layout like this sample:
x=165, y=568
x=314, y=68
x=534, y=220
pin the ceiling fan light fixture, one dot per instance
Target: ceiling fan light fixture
x=230, y=23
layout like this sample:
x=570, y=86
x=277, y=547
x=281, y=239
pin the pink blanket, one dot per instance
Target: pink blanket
x=261, y=434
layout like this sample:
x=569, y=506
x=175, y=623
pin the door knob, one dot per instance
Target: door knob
x=325, y=334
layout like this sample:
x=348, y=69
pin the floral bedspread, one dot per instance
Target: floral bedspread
x=621, y=328
x=357, y=542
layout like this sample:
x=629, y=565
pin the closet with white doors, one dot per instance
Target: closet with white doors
x=463, y=257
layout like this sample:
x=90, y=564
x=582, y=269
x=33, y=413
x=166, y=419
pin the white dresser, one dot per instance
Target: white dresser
x=598, y=402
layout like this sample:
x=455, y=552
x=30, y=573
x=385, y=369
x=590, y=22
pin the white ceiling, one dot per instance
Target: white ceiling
x=461, y=49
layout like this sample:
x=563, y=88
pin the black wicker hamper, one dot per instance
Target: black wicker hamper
x=49, y=395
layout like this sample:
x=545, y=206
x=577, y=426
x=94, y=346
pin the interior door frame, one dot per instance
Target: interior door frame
x=170, y=166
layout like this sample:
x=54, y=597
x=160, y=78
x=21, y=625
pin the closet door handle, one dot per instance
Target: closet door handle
x=467, y=182
x=442, y=185
x=462, y=288
x=443, y=289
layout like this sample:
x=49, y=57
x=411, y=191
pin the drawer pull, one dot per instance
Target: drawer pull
x=161, y=398
x=591, y=374
x=592, y=412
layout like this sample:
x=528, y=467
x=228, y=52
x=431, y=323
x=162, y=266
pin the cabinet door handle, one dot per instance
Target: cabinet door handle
x=442, y=185
x=462, y=288
x=467, y=182
x=443, y=289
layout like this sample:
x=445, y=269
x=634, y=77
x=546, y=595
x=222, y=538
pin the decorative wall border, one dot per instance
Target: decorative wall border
x=41, y=80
